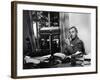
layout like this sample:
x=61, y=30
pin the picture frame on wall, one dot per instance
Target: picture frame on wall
x=51, y=39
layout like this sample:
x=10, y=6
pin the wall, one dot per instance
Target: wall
x=64, y=25
x=5, y=41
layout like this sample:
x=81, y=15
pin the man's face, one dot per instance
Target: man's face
x=73, y=33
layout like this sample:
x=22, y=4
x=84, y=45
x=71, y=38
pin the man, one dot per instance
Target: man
x=73, y=46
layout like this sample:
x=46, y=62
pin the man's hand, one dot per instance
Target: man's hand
x=67, y=41
x=77, y=53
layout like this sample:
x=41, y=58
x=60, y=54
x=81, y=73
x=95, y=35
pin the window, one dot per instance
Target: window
x=46, y=30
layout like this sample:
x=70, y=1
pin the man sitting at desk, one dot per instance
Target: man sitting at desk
x=73, y=46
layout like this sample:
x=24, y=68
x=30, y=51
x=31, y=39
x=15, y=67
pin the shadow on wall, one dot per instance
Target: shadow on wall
x=82, y=23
